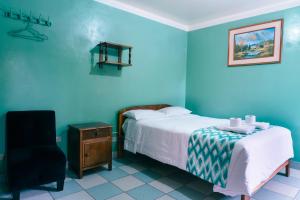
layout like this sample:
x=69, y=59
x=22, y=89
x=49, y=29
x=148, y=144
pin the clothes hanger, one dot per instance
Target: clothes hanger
x=28, y=33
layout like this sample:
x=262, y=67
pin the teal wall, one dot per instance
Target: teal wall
x=271, y=92
x=61, y=73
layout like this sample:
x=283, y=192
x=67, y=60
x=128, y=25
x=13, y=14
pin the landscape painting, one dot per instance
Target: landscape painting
x=255, y=44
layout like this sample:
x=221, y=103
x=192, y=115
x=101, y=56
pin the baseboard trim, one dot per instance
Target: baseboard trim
x=115, y=137
x=114, y=154
x=295, y=164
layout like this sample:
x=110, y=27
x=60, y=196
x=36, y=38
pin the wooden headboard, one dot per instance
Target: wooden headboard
x=122, y=118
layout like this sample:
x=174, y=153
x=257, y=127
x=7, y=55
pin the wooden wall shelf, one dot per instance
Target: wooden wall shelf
x=115, y=63
x=103, y=54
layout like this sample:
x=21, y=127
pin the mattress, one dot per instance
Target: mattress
x=254, y=158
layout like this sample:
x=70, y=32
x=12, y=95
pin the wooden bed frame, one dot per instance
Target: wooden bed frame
x=122, y=118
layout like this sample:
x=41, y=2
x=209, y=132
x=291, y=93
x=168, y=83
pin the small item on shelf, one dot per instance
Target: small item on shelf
x=103, y=54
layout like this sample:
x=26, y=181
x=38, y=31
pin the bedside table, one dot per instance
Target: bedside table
x=89, y=146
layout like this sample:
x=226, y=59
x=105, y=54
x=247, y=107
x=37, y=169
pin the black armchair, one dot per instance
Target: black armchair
x=33, y=158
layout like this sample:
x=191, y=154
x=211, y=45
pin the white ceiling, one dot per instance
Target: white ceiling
x=194, y=14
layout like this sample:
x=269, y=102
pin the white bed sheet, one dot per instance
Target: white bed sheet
x=253, y=160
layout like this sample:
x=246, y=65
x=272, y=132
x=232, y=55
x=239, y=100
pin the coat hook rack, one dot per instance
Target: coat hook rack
x=21, y=16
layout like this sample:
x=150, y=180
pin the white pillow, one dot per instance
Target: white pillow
x=174, y=110
x=143, y=114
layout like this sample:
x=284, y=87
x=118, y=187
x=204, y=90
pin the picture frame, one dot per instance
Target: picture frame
x=255, y=44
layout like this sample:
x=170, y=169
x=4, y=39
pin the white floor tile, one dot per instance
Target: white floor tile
x=295, y=173
x=92, y=180
x=50, y=185
x=165, y=197
x=165, y=184
x=128, y=169
x=122, y=196
x=35, y=195
x=281, y=188
x=68, y=179
x=128, y=183
x=79, y=195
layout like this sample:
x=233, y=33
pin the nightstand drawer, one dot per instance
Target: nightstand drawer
x=96, y=133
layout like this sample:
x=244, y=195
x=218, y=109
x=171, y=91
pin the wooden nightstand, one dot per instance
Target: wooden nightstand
x=89, y=146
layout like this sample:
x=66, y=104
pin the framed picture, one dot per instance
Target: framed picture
x=255, y=44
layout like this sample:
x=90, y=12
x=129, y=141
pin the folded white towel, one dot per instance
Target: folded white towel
x=244, y=129
x=234, y=122
x=261, y=125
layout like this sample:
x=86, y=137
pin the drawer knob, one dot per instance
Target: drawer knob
x=86, y=155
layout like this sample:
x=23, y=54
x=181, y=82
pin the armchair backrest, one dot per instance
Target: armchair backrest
x=30, y=128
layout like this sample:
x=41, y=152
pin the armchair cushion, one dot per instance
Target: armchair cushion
x=35, y=166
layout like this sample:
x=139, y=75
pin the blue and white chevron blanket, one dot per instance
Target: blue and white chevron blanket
x=209, y=154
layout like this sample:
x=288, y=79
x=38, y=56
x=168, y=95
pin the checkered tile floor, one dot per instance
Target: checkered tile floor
x=141, y=178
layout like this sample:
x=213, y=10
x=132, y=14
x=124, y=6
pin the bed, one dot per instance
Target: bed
x=255, y=159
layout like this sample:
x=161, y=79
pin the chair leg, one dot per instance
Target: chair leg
x=287, y=170
x=60, y=185
x=16, y=195
x=110, y=165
